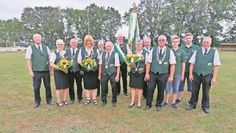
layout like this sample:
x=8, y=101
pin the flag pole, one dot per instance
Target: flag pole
x=133, y=27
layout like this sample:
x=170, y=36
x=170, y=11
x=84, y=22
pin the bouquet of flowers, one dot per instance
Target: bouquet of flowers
x=64, y=64
x=132, y=59
x=89, y=64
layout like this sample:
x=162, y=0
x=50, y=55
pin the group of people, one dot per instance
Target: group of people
x=162, y=67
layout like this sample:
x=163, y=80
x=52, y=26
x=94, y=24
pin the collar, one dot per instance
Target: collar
x=88, y=50
x=40, y=45
x=71, y=49
x=161, y=48
x=188, y=46
x=203, y=49
x=63, y=52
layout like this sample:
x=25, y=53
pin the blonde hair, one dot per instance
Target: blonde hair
x=88, y=38
x=175, y=37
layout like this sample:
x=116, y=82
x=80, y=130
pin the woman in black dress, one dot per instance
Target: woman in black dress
x=60, y=75
x=137, y=76
x=90, y=75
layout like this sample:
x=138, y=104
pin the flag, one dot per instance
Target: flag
x=133, y=34
x=119, y=52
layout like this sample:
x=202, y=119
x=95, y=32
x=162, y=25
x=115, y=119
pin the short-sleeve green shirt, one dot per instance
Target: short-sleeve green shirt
x=180, y=57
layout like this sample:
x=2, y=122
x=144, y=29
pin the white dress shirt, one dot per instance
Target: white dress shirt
x=216, y=61
x=117, y=61
x=171, y=60
x=53, y=56
x=79, y=58
x=29, y=51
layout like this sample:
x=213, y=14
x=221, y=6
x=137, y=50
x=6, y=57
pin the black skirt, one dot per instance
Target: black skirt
x=61, y=80
x=90, y=80
x=136, y=80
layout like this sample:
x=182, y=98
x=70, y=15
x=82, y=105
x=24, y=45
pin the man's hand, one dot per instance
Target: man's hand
x=31, y=73
x=191, y=77
x=182, y=77
x=51, y=72
x=99, y=77
x=213, y=81
x=147, y=77
x=170, y=79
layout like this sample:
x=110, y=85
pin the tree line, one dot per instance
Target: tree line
x=215, y=18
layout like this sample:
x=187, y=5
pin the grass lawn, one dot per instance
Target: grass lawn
x=18, y=115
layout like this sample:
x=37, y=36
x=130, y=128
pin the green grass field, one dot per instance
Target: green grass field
x=18, y=115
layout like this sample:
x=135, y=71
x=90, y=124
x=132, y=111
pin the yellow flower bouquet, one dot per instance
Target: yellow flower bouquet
x=64, y=64
x=132, y=59
x=89, y=64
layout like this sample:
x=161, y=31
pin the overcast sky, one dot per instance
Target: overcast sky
x=13, y=8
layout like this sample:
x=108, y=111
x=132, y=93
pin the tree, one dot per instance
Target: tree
x=44, y=20
x=201, y=17
x=10, y=30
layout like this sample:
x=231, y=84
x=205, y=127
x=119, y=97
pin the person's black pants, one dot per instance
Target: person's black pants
x=104, y=87
x=38, y=76
x=123, y=69
x=206, y=84
x=145, y=85
x=75, y=76
x=98, y=88
x=160, y=80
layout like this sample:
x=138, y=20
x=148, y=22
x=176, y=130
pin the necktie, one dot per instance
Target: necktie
x=205, y=52
x=160, y=52
x=108, y=54
x=39, y=48
x=73, y=53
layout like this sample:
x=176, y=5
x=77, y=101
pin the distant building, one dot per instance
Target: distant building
x=228, y=47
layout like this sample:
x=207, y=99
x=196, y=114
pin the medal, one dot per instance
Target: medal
x=136, y=69
x=106, y=66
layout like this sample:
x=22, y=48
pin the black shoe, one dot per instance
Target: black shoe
x=178, y=101
x=50, y=102
x=190, y=107
x=205, y=110
x=80, y=101
x=125, y=93
x=60, y=104
x=165, y=105
x=174, y=105
x=147, y=108
x=114, y=104
x=131, y=105
x=87, y=102
x=72, y=101
x=158, y=108
x=66, y=102
x=37, y=104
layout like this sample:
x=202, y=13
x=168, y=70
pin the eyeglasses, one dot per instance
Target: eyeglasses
x=161, y=40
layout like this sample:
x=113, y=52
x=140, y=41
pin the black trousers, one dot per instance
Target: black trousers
x=160, y=80
x=98, y=88
x=145, y=89
x=123, y=69
x=38, y=76
x=104, y=86
x=206, y=84
x=75, y=76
